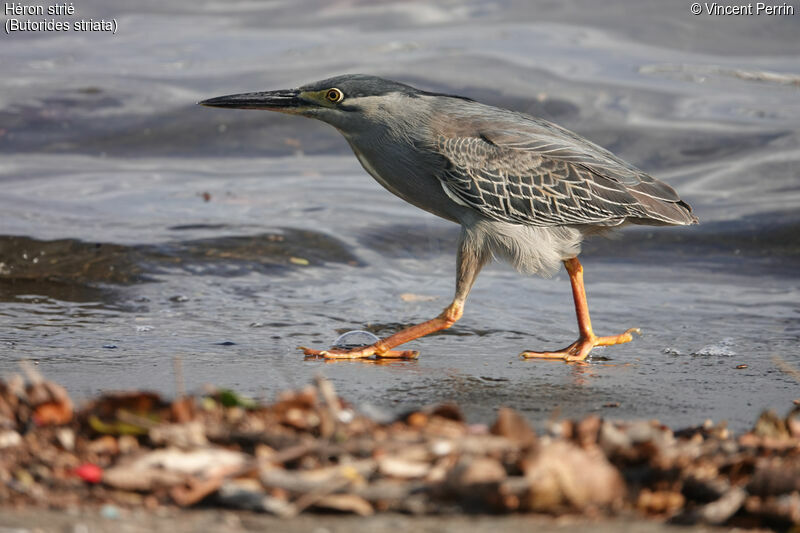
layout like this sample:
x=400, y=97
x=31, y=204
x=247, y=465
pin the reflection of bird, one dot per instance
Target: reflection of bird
x=522, y=189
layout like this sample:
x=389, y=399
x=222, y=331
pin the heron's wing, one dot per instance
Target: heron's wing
x=547, y=176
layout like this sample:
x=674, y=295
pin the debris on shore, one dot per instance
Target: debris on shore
x=311, y=450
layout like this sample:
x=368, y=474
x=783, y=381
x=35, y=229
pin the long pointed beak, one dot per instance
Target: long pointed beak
x=284, y=100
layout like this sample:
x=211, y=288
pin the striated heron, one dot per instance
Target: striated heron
x=522, y=189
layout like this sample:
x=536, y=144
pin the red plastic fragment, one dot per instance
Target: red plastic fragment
x=89, y=472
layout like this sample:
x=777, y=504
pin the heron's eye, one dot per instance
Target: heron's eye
x=334, y=95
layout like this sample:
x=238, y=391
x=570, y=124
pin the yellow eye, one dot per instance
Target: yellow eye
x=334, y=95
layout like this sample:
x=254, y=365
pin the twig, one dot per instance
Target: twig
x=785, y=367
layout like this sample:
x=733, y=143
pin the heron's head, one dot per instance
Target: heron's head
x=350, y=102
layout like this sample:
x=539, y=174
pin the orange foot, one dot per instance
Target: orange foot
x=383, y=348
x=360, y=353
x=579, y=350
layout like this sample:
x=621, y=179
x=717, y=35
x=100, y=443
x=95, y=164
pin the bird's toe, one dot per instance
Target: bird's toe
x=398, y=354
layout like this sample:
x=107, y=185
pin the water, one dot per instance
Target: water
x=136, y=227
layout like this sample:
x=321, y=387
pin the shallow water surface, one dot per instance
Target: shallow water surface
x=136, y=227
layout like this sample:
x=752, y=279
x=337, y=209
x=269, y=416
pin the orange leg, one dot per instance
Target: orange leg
x=383, y=348
x=470, y=262
x=579, y=350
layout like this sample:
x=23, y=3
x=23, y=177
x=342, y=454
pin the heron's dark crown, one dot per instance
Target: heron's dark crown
x=359, y=85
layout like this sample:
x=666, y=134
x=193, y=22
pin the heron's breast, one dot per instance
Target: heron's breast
x=410, y=179
x=365, y=162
